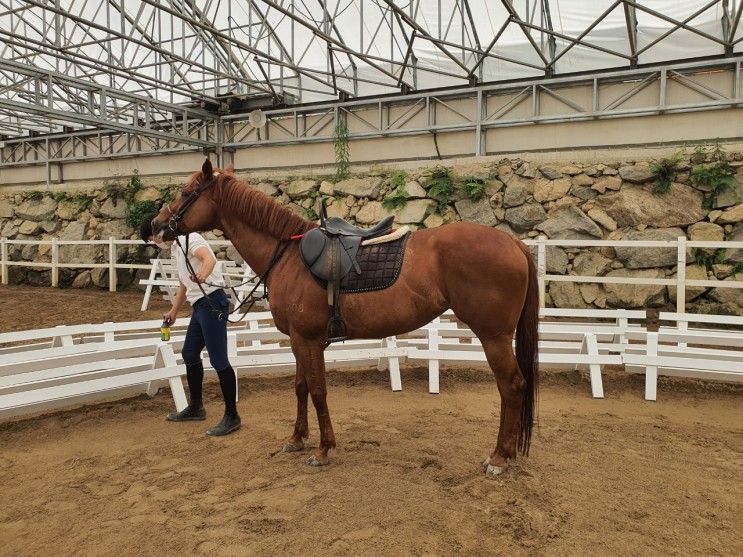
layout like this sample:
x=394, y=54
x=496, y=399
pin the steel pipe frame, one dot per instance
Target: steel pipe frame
x=148, y=43
x=289, y=119
x=221, y=44
x=480, y=95
x=611, y=74
x=462, y=5
x=99, y=106
x=74, y=58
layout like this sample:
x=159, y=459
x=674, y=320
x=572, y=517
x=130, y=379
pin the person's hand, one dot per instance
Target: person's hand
x=170, y=316
x=199, y=278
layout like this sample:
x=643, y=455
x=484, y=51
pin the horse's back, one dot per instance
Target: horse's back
x=483, y=272
x=475, y=245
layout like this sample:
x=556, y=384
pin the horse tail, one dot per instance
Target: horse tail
x=527, y=354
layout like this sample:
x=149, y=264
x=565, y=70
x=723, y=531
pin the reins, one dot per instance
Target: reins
x=221, y=315
x=281, y=246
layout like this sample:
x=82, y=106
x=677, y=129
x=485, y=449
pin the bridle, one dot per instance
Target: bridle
x=191, y=198
x=173, y=221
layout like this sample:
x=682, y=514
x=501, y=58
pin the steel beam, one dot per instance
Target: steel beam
x=70, y=100
x=374, y=110
x=109, y=67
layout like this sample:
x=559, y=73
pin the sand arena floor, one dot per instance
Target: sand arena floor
x=619, y=476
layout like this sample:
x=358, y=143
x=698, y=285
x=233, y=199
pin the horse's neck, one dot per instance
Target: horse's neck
x=255, y=246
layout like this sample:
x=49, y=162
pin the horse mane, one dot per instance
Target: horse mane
x=260, y=210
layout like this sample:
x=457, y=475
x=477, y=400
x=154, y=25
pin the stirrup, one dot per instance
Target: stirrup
x=331, y=340
x=336, y=331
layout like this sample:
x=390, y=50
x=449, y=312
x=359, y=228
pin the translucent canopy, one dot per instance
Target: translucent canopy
x=76, y=64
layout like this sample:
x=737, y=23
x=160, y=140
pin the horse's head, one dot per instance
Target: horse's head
x=192, y=210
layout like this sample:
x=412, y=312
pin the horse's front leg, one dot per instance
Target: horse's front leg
x=311, y=363
x=301, y=429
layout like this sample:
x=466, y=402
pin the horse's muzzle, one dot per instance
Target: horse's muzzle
x=164, y=230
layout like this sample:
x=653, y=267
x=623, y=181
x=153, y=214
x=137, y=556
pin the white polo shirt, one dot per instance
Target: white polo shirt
x=193, y=292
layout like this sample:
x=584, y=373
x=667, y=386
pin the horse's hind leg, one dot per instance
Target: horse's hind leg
x=511, y=385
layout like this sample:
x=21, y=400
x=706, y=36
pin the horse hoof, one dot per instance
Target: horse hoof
x=314, y=461
x=491, y=470
x=290, y=447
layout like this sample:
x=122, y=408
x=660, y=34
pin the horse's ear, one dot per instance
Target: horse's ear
x=207, y=170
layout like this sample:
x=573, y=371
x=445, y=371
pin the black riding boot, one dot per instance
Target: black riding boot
x=195, y=410
x=231, y=420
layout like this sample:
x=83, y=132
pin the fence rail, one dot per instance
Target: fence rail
x=54, y=264
x=681, y=245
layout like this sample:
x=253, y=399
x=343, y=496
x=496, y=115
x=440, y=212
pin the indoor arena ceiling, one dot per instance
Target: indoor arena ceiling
x=164, y=68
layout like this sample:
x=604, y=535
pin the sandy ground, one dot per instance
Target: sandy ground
x=605, y=477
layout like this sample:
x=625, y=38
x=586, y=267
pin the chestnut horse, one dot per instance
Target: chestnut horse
x=485, y=276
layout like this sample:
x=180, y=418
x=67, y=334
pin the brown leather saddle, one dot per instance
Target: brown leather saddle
x=330, y=253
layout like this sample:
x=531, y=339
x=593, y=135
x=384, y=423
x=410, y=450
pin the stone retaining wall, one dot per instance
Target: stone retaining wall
x=521, y=197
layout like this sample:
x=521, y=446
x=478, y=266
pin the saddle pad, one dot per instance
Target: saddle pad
x=380, y=266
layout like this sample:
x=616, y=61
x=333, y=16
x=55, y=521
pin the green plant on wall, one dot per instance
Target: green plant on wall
x=313, y=195
x=441, y=188
x=114, y=190
x=33, y=195
x=699, y=155
x=705, y=259
x=341, y=148
x=665, y=171
x=715, y=176
x=136, y=211
x=133, y=186
x=83, y=200
x=398, y=197
x=398, y=178
x=61, y=196
x=473, y=188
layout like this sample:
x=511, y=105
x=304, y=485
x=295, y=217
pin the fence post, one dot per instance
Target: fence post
x=433, y=365
x=4, y=259
x=541, y=268
x=55, y=262
x=681, y=287
x=111, y=264
x=681, y=276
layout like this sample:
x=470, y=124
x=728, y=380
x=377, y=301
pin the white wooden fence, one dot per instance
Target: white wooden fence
x=681, y=283
x=44, y=368
x=681, y=245
x=111, y=251
x=705, y=351
x=239, y=280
